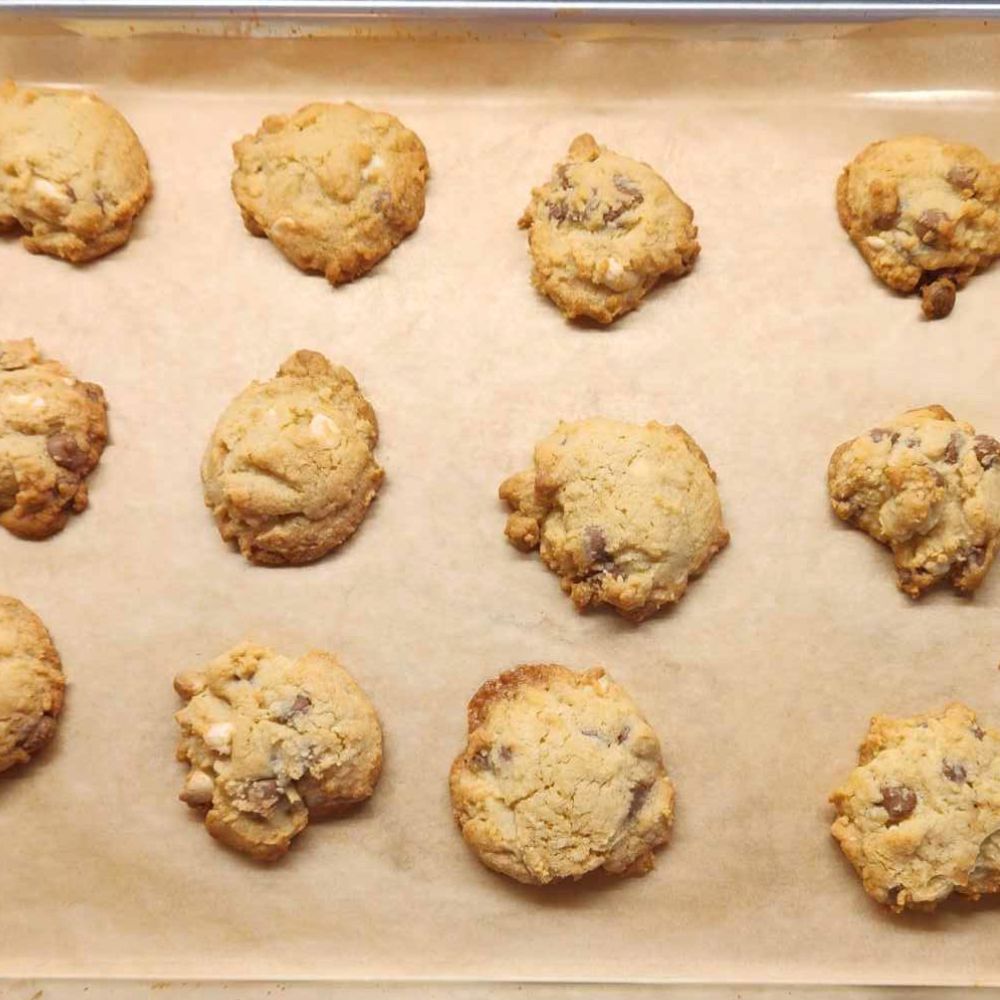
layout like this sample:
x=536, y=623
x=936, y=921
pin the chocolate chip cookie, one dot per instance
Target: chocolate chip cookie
x=73, y=175
x=604, y=230
x=31, y=684
x=273, y=742
x=919, y=818
x=290, y=471
x=928, y=486
x=561, y=776
x=925, y=215
x=333, y=186
x=53, y=429
x=625, y=514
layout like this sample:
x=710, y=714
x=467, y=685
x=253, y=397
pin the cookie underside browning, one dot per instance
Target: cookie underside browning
x=561, y=776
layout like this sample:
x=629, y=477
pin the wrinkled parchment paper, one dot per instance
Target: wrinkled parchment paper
x=778, y=346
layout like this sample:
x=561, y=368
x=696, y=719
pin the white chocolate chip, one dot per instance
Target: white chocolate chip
x=219, y=736
x=284, y=224
x=26, y=399
x=271, y=417
x=47, y=189
x=38, y=403
x=875, y=242
x=322, y=427
x=69, y=381
x=615, y=269
x=198, y=788
x=374, y=165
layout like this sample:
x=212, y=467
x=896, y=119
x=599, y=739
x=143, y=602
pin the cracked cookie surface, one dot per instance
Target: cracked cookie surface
x=272, y=743
x=561, y=776
x=73, y=174
x=53, y=429
x=919, y=818
x=604, y=230
x=290, y=472
x=333, y=186
x=928, y=486
x=31, y=684
x=624, y=514
x=925, y=214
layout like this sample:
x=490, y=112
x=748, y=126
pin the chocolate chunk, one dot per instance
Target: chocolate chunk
x=480, y=761
x=976, y=556
x=987, y=450
x=595, y=545
x=953, y=772
x=301, y=704
x=562, y=172
x=558, y=210
x=262, y=795
x=36, y=733
x=505, y=753
x=962, y=176
x=893, y=893
x=633, y=194
x=639, y=795
x=382, y=200
x=937, y=298
x=930, y=225
x=977, y=732
x=951, y=452
x=878, y=433
x=898, y=801
x=66, y=452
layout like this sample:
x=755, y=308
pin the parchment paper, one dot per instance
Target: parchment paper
x=779, y=346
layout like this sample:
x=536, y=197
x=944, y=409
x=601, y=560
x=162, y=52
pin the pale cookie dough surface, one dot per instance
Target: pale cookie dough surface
x=561, y=776
x=53, y=429
x=923, y=213
x=919, y=818
x=273, y=742
x=624, y=514
x=73, y=175
x=333, y=186
x=290, y=471
x=604, y=230
x=31, y=684
x=928, y=486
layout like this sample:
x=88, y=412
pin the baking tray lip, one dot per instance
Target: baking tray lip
x=790, y=10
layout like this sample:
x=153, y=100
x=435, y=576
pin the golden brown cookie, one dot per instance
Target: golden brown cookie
x=919, y=818
x=604, y=230
x=333, y=186
x=73, y=175
x=924, y=214
x=561, y=776
x=928, y=486
x=625, y=514
x=290, y=471
x=53, y=429
x=273, y=742
x=31, y=684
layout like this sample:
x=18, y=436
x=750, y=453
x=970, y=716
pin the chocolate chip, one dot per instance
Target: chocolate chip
x=953, y=772
x=893, y=893
x=976, y=555
x=977, y=732
x=962, y=176
x=480, y=761
x=987, y=450
x=66, y=452
x=628, y=186
x=951, y=452
x=35, y=734
x=624, y=734
x=898, y=801
x=262, y=795
x=505, y=753
x=930, y=224
x=639, y=795
x=633, y=194
x=562, y=172
x=558, y=210
x=937, y=298
x=382, y=200
x=301, y=704
x=595, y=545
x=878, y=433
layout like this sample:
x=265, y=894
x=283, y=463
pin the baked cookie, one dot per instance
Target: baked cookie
x=73, y=175
x=272, y=743
x=604, y=230
x=928, y=486
x=333, y=186
x=924, y=214
x=53, y=429
x=289, y=472
x=561, y=776
x=31, y=684
x=625, y=514
x=919, y=818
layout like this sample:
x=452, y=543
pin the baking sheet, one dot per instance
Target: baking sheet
x=777, y=347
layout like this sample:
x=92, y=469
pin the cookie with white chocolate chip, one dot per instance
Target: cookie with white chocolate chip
x=73, y=174
x=333, y=186
x=273, y=742
x=31, y=684
x=925, y=215
x=928, y=486
x=604, y=230
x=561, y=776
x=290, y=472
x=53, y=429
x=919, y=818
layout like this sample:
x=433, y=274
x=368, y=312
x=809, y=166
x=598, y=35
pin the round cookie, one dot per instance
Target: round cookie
x=53, y=429
x=73, y=175
x=923, y=213
x=333, y=186
x=928, y=486
x=625, y=514
x=604, y=230
x=561, y=776
x=273, y=742
x=919, y=818
x=31, y=684
x=289, y=472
